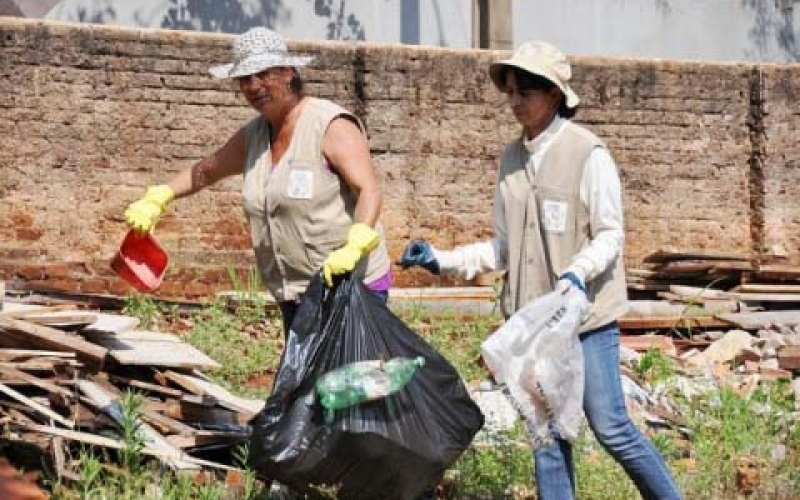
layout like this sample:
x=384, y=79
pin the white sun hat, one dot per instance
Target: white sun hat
x=538, y=58
x=254, y=51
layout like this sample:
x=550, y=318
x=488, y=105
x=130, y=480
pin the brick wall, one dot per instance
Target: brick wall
x=90, y=115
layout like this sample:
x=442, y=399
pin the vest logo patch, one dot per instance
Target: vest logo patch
x=301, y=184
x=554, y=216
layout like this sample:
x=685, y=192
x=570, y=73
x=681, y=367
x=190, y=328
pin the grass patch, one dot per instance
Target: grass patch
x=725, y=426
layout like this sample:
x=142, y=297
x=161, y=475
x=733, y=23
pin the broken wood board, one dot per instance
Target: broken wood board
x=672, y=323
x=693, y=292
x=778, y=271
x=145, y=348
x=660, y=308
x=13, y=354
x=40, y=409
x=203, y=415
x=766, y=288
x=111, y=323
x=63, y=319
x=14, y=374
x=202, y=387
x=109, y=403
x=205, y=438
x=95, y=440
x=671, y=254
x=698, y=294
x=759, y=320
x=20, y=333
x=789, y=357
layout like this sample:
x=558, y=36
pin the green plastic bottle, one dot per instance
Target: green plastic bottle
x=363, y=381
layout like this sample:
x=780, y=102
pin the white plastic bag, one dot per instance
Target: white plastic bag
x=538, y=355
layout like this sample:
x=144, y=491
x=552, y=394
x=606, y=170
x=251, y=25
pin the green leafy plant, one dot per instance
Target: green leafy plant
x=653, y=366
x=131, y=428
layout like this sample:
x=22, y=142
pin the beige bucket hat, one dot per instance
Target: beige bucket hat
x=538, y=58
x=256, y=50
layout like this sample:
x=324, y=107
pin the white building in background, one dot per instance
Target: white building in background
x=709, y=30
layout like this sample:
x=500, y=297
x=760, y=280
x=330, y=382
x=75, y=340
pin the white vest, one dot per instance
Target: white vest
x=299, y=210
x=548, y=225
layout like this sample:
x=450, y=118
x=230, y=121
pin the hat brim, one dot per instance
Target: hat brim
x=257, y=64
x=497, y=74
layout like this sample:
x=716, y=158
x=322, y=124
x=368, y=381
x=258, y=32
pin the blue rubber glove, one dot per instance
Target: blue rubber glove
x=419, y=253
x=570, y=279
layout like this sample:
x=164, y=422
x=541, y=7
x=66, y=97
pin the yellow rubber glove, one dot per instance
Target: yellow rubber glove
x=361, y=240
x=143, y=214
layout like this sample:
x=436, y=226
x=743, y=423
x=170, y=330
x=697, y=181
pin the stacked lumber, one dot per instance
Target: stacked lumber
x=679, y=290
x=64, y=373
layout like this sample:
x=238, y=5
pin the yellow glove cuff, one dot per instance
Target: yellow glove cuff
x=363, y=237
x=161, y=195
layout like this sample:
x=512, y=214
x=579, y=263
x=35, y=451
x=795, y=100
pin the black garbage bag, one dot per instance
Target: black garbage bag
x=391, y=448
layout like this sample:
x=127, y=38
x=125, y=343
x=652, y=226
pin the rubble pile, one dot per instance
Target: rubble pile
x=64, y=372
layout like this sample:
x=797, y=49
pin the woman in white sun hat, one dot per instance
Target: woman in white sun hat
x=311, y=194
x=558, y=224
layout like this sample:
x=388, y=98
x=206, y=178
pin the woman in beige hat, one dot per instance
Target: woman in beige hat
x=311, y=194
x=557, y=225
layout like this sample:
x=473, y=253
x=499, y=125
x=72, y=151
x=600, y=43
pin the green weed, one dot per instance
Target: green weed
x=653, y=366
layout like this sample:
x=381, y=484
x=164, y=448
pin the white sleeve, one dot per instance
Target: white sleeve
x=601, y=193
x=468, y=260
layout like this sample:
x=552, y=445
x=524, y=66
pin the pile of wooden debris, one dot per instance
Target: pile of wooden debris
x=63, y=373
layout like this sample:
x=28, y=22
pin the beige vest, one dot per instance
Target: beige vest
x=548, y=225
x=300, y=210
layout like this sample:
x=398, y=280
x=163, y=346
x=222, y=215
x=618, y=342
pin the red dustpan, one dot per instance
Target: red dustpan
x=140, y=261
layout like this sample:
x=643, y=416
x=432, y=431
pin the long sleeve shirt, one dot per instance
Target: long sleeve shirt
x=600, y=192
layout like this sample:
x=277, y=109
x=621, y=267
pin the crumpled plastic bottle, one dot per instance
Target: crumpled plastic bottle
x=363, y=381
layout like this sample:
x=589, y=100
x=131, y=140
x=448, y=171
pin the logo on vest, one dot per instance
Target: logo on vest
x=301, y=184
x=554, y=215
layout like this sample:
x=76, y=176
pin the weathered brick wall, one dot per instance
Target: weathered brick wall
x=779, y=87
x=89, y=115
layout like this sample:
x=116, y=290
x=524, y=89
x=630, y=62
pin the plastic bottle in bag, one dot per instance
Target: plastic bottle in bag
x=363, y=381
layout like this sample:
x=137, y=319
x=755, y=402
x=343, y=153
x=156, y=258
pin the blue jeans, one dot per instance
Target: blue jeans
x=604, y=407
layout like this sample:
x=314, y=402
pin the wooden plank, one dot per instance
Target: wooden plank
x=47, y=412
x=31, y=335
x=19, y=311
x=202, y=387
x=156, y=388
x=165, y=423
x=732, y=266
x=778, y=271
x=61, y=319
x=789, y=357
x=144, y=348
x=95, y=440
x=767, y=297
x=692, y=292
x=671, y=322
x=41, y=364
x=204, y=438
x=12, y=354
x=649, y=286
x=34, y=381
x=765, y=288
x=109, y=403
x=203, y=415
x=672, y=254
x=762, y=319
x=112, y=323
x=659, y=308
